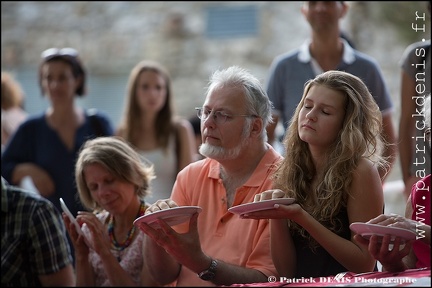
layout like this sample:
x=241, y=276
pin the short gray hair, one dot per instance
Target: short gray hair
x=257, y=100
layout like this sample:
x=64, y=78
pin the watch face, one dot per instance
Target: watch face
x=208, y=275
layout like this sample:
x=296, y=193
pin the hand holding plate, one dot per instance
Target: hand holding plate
x=269, y=194
x=389, y=251
x=366, y=230
x=261, y=205
x=162, y=204
x=172, y=216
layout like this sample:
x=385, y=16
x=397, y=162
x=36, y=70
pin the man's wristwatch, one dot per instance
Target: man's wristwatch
x=209, y=273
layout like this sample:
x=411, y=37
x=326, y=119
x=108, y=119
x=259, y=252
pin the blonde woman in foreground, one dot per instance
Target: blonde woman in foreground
x=331, y=169
x=112, y=183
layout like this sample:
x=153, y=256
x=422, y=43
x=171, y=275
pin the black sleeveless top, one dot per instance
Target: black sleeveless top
x=318, y=262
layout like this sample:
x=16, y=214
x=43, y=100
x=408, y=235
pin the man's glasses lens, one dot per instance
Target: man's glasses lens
x=202, y=114
x=218, y=116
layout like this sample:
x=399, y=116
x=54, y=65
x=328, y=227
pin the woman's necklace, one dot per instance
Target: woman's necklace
x=121, y=246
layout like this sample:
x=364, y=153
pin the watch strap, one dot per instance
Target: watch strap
x=209, y=273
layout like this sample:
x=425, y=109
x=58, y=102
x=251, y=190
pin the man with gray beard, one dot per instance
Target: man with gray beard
x=216, y=247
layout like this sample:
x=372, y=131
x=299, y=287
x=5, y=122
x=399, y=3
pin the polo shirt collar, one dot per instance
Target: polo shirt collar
x=261, y=171
x=304, y=55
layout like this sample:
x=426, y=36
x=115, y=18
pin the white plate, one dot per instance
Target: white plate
x=366, y=230
x=259, y=206
x=172, y=216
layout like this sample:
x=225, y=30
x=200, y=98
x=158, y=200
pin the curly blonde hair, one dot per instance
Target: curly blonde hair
x=360, y=136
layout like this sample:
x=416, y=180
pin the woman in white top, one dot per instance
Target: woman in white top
x=150, y=126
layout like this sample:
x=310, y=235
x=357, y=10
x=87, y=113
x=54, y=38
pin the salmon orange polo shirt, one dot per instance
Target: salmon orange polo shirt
x=225, y=236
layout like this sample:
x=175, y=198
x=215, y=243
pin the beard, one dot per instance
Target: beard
x=221, y=153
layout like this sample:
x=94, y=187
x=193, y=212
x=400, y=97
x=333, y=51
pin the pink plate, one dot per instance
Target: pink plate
x=366, y=230
x=172, y=216
x=259, y=206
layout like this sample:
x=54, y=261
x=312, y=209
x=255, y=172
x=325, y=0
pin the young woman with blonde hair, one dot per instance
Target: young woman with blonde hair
x=331, y=169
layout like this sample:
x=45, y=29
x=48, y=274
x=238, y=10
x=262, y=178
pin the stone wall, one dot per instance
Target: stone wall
x=113, y=36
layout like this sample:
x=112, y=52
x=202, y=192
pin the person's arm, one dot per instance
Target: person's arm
x=49, y=242
x=183, y=242
x=146, y=276
x=365, y=202
x=282, y=248
x=185, y=249
x=16, y=151
x=390, y=152
x=379, y=248
x=114, y=271
x=63, y=277
x=41, y=179
x=83, y=269
x=394, y=255
x=163, y=268
x=18, y=160
x=159, y=266
x=101, y=245
x=281, y=243
x=228, y=274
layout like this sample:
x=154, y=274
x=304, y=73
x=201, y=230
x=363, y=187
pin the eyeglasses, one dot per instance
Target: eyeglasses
x=51, y=52
x=218, y=116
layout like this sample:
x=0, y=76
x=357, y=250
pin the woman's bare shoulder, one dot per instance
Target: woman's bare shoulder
x=366, y=166
x=366, y=172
